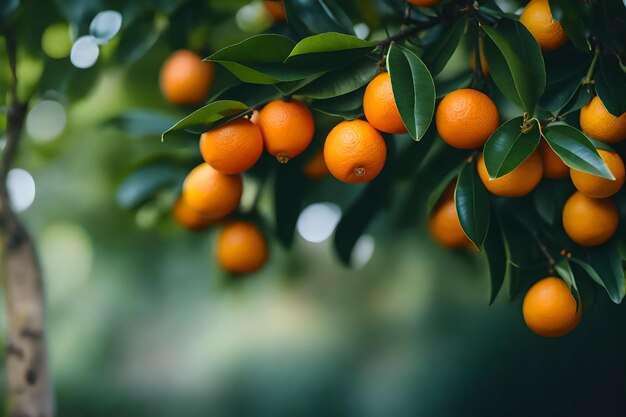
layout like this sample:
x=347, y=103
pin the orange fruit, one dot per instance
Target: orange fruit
x=444, y=225
x=354, y=151
x=537, y=18
x=589, y=221
x=597, y=122
x=287, y=127
x=215, y=194
x=185, y=79
x=549, y=308
x=188, y=217
x=380, y=107
x=466, y=118
x=553, y=167
x=241, y=248
x=484, y=65
x=233, y=147
x=597, y=187
x=423, y=3
x=316, y=168
x=276, y=9
x=519, y=182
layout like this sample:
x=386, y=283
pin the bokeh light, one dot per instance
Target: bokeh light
x=85, y=52
x=21, y=187
x=361, y=30
x=363, y=251
x=56, y=41
x=253, y=18
x=46, y=120
x=105, y=26
x=317, y=222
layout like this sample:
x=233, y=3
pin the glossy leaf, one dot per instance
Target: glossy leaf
x=568, y=14
x=611, y=85
x=211, y=113
x=439, y=53
x=413, y=90
x=581, y=97
x=472, y=204
x=516, y=63
x=251, y=94
x=144, y=183
x=349, y=106
x=309, y=17
x=604, y=265
x=496, y=257
x=327, y=47
x=342, y=81
x=509, y=146
x=440, y=188
x=576, y=150
x=564, y=269
x=565, y=69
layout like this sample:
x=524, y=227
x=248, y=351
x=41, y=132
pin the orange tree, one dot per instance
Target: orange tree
x=518, y=156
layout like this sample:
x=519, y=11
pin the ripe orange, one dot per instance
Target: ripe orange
x=589, y=221
x=186, y=79
x=484, y=65
x=466, y=118
x=597, y=187
x=549, y=308
x=380, y=107
x=232, y=148
x=316, y=168
x=287, y=127
x=188, y=217
x=553, y=167
x=241, y=248
x=598, y=123
x=519, y=182
x=424, y=3
x=215, y=194
x=444, y=225
x=354, y=151
x=537, y=18
x=276, y=9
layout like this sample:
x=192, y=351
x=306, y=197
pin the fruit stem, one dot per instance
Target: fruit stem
x=546, y=253
x=592, y=68
x=417, y=26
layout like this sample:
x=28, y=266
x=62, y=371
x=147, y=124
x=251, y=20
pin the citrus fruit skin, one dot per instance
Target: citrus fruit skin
x=276, y=9
x=597, y=122
x=517, y=183
x=287, y=128
x=316, y=168
x=189, y=218
x=537, y=18
x=354, y=151
x=549, y=308
x=424, y=3
x=589, y=221
x=215, y=194
x=185, y=79
x=466, y=118
x=597, y=187
x=232, y=148
x=241, y=248
x=379, y=105
x=444, y=225
x=553, y=167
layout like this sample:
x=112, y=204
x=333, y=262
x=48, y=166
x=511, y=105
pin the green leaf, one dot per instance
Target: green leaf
x=581, y=97
x=549, y=198
x=348, y=106
x=252, y=95
x=568, y=14
x=211, y=113
x=604, y=265
x=576, y=150
x=413, y=90
x=509, y=146
x=440, y=188
x=516, y=63
x=146, y=182
x=611, y=85
x=565, y=69
x=439, y=53
x=319, y=50
x=310, y=17
x=496, y=257
x=472, y=204
x=564, y=269
x=342, y=81
x=290, y=188
x=142, y=122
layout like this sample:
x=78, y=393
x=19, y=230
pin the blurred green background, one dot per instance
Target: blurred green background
x=142, y=322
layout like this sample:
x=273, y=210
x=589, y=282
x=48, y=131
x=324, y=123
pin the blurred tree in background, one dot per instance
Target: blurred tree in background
x=141, y=318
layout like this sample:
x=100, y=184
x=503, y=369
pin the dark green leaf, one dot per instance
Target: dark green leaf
x=413, y=90
x=611, y=85
x=509, y=146
x=144, y=183
x=581, y=97
x=142, y=122
x=211, y=113
x=290, y=187
x=327, y=47
x=472, y=204
x=341, y=81
x=252, y=94
x=576, y=150
x=516, y=63
x=310, y=17
x=604, y=265
x=437, y=192
x=549, y=198
x=496, y=257
x=564, y=270
x=349, y=106
x=439, y=53
x=565, y=69
x=569, y=14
